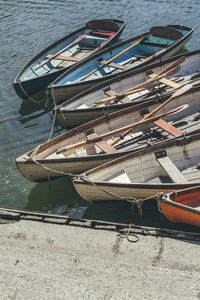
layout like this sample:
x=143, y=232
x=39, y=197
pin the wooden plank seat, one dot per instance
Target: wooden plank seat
x=169, y=167
x=156, y=41
x=102, y=33
x=65, y=58
x=102, y=144
x=111, y=93
x=168, y=127
x=166, y=81
x=102, y=25
x=113, y=65
x=166, y=32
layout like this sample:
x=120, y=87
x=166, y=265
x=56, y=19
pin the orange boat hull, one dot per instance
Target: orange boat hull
x=182, y=206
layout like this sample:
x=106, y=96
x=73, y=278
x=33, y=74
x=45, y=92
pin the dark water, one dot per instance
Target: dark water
x=26, y=28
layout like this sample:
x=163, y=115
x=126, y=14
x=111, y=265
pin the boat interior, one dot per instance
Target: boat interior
x=183, y=121
x=157, y=39
x=189, y=197
x=81, y=44
x=99, y=96
x=167, y=165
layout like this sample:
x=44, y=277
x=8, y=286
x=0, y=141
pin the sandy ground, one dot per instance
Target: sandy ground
x=51, y=261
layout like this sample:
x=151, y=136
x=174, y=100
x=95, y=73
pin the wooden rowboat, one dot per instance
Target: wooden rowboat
x=91, y=103
x=168, y=166
x=105, y=139
x=158, y=43
x=64, y=53
x=181, y=206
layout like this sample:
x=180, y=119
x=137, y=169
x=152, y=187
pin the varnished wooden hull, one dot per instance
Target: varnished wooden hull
x=61, y=92
x=79, y=110
x=182, y=206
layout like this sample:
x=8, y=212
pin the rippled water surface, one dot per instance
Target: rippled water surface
x=27, y=27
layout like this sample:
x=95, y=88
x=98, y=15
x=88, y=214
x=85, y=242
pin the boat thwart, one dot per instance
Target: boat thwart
x=158, y=43
x=64, y=53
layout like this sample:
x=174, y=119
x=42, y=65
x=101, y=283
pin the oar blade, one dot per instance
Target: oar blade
x=182, y=90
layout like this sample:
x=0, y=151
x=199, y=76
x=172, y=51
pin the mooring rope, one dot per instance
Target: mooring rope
x=138, y=202
x=30, y=98
x=127, y=235
x=55, y=114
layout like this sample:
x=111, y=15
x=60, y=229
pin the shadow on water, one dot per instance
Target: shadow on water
x=60, y=197
x=34, y=107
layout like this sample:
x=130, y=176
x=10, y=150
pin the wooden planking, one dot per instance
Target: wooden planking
x=105, y=147
x=166, y=81
x=168, y=127
x=65, y=58
x=171, y=170
x=102, y=144
x=110, y=93
x=114, y=65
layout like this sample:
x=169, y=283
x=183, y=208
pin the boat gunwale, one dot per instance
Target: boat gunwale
x=175, y=141
x=165, y=198
x=151, y=58
x=171, y=185
x=83, y=127
x=121, y=76
x=16, y=79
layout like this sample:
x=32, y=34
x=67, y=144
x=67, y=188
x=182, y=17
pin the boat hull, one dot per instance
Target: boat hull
x=62, y=92
x=182, y=206
x=68, y=115
x=45, y=163
x=42, y=170
x=99, y=191
x=29, y=87
x=140, y=175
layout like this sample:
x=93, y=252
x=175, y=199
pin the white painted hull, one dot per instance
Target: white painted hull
x=61, y=92
x=80, y=109
x=132, y=176
x=47, y=162
x=104, y=192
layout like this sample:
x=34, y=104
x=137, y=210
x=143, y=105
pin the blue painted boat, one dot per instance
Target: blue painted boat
x=64, y=53
x=158, y=43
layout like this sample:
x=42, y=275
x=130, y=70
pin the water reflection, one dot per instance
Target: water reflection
x=31, y=26
x=50, y=195
x=60, y=197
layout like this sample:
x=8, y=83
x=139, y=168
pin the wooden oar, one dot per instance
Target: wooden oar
x=130, y=127
x=157, y=77
x=148, y=116
x=65, y=48
x=161, y=78
x=116, y=56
